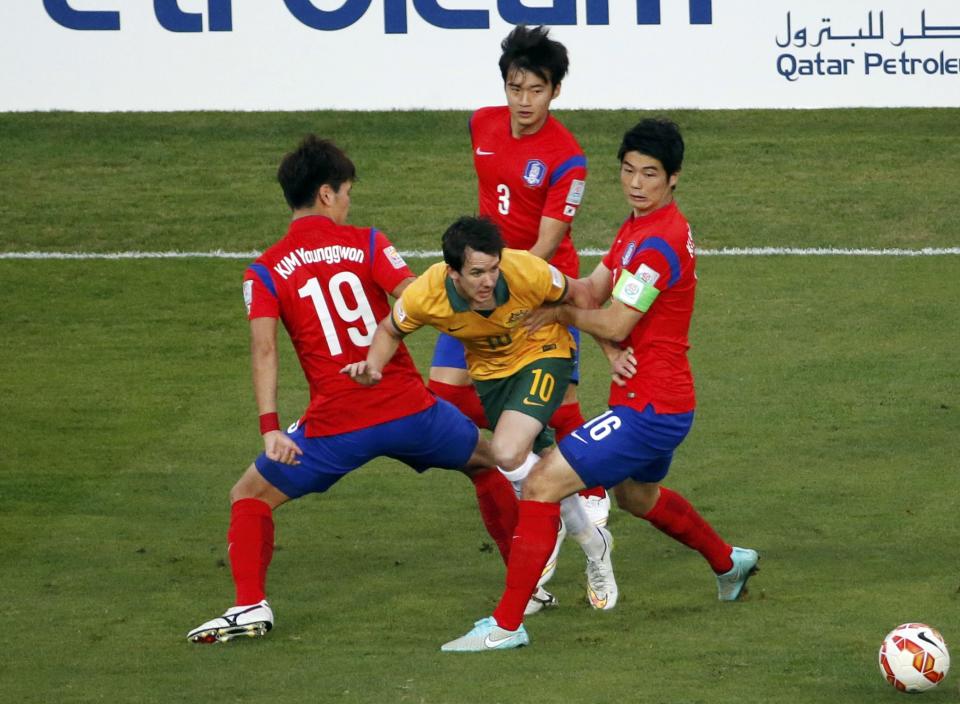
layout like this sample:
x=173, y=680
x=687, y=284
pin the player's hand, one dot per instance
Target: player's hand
x=623, y=366
x=280, y=448
x=359, y=372
x=539, y=317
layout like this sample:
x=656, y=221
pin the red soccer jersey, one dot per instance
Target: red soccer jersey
x=328, y=283
x=658, y=248
x=522, y=180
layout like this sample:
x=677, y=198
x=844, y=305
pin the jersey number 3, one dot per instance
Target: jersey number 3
x=503, y=193
x=362, y=312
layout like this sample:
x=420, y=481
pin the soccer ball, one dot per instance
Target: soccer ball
x=914, y=658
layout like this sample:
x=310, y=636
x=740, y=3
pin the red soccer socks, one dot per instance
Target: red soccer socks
x=498, y=507
x=250, y=547
x=566, y=419
x=676, y=517
x=463, y=397
x=533, y=542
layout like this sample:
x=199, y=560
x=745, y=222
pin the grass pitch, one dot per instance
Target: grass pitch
x=826, y=435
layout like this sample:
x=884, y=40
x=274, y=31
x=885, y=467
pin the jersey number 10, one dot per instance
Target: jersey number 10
x=362, y=312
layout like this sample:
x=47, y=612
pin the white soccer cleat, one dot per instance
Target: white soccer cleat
x=596, y=508
x=541, y=599
x=252, y=621
x=551, y=566
x=602, y=589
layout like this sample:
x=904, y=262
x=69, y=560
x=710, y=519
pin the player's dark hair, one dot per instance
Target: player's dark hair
x=531, y=49
x=479, y=234
x=313, y=163
x=656, y=137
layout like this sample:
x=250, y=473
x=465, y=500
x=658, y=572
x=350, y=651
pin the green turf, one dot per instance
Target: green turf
x=826, y=436
x=838, y=178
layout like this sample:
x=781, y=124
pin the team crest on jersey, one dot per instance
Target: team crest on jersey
x=628, y=255
x=534, y=173
x=516, y=316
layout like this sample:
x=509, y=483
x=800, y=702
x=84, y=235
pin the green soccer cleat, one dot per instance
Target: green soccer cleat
x=487, y=635
x=733, y=584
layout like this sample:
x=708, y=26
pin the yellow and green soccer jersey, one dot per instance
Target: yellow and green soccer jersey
x=496, y=344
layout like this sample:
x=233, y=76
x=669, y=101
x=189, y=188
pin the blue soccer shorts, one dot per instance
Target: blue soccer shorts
x=448, y=352
x=625, y=443
x=439, y=436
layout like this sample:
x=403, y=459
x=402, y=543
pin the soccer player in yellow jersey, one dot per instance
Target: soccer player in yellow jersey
x=480, y=294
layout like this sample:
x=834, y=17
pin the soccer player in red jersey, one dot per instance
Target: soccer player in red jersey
x=328, y=282
x=649, y=275
x=531, y=174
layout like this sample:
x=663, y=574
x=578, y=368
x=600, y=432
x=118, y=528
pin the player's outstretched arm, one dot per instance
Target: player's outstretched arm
x=611, y=323
x=385, y=342
x=581, y=293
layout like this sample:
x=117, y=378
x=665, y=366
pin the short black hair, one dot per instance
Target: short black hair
x=656, y=137
x=531, y=49
x=313, y=163
x=479, y=234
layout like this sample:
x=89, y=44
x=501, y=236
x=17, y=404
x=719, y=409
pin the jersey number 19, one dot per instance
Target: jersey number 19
x=362, y=312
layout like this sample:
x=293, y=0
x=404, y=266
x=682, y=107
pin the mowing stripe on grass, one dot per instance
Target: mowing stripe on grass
x=436, y=254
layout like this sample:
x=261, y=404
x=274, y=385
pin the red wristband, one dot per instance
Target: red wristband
x=268, y=422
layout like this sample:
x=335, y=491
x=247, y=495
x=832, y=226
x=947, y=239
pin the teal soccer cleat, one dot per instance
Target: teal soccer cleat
x=732, y=585
x=487, y=635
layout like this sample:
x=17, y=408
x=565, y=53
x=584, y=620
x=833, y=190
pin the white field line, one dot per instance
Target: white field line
x=436, y=254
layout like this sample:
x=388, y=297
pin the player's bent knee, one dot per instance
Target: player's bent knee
x=507, y=458
x=551, y=481
x=636, y=498
x=481, y=459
